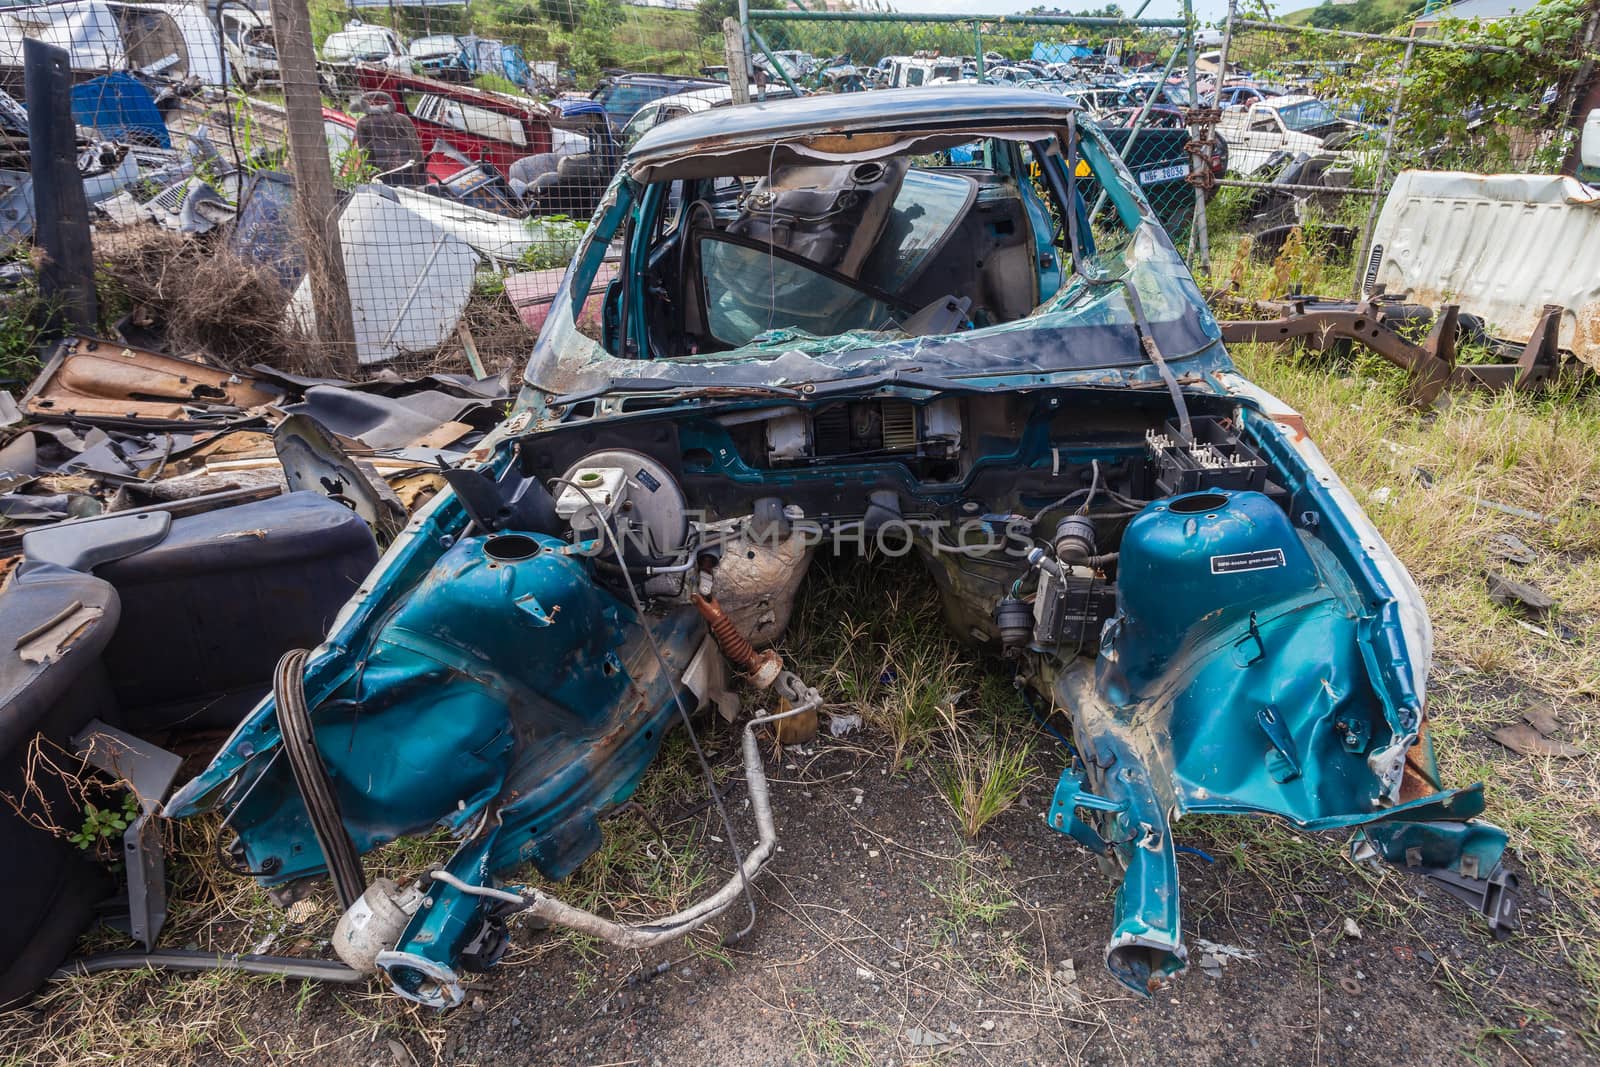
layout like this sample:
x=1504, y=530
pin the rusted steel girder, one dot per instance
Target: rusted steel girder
x=1431, y=363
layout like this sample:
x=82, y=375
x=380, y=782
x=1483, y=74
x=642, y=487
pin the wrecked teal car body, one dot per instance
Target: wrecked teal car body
x=1033, y=401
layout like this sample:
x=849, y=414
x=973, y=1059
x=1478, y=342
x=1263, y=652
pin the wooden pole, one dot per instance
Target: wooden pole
x=738, y=60
x=315, y=207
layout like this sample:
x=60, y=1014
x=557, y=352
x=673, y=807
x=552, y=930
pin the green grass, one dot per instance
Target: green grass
x=969, y=896
x=982, y=777
x=828, y=1041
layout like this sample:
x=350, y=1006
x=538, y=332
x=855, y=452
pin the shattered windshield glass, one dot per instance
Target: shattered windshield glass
x=798, y=266
x=796, y=297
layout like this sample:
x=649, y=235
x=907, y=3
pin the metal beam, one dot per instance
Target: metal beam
x=763, y=15
x=1420, y=42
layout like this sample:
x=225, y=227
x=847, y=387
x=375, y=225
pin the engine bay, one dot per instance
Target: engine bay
x=974, y=482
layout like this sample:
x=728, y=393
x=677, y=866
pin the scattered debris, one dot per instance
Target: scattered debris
x=1520, y=596
x=1214, y=957
x=1525, y=740
x=919, y=1038
x=1511, y=548
x=1542, y=717
x=844, y=725
x=1532, y=737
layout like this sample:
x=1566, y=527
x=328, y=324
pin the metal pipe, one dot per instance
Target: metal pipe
x=1294, y=187
x=1425, y=42
x=763, y=15
x=1222, y=60
x=761, y=42
x=1383, y=166
x=1199, y=239
x=650, y=935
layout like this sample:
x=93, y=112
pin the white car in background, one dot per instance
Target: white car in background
x=247, y=39
x=1295, y=124
x=656, y=112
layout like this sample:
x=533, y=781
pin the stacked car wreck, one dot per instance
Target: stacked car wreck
x=824, y=332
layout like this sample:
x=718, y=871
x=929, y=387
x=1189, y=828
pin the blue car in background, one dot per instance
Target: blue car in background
x=443, y=56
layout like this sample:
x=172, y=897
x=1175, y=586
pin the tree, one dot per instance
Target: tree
x=594, y=42
x=710, y=13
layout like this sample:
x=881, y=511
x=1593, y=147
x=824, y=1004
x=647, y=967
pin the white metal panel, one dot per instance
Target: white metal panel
x=409, y=279
x=1500, y=245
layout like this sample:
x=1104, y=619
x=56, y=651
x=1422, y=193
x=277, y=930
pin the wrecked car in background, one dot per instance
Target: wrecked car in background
x=1294, y=124
x=819, y=338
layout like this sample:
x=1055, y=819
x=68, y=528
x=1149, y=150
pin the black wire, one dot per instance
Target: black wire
x=683, y=710
x=222, y=47
x=311, y=778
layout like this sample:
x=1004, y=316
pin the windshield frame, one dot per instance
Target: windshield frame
x=1093, y=308
x=1327, y=115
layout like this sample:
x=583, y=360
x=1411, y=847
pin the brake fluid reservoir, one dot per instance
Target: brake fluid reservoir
x=1198, y=563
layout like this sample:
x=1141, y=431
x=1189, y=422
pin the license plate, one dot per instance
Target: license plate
x=1163, y=174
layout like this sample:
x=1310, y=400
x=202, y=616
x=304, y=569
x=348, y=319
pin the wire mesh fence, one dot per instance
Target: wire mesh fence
x=444, y=160
x=1318, y=122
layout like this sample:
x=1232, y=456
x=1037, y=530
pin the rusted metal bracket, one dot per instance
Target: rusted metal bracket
x=1202, y=121
x=1432, y=363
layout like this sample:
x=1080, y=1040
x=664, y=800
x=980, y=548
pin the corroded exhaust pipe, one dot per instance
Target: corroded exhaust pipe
x=761, y=667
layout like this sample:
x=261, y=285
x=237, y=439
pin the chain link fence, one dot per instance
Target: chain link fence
x=464, y=149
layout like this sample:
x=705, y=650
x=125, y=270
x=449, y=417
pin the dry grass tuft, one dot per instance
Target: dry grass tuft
x=211, y=301
x=232, y=311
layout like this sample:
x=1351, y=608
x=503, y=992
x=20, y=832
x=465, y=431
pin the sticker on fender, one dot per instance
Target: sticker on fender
x=1259, y=560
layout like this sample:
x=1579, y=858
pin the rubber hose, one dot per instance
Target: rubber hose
x=190, y=960
x=311, y=778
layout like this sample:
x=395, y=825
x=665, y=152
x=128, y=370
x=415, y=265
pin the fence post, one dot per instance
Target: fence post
x=1199, y=240
x=1383, y=171
x=60, y=211
x=738, y=60
x=316, y=213
x=1222, y=60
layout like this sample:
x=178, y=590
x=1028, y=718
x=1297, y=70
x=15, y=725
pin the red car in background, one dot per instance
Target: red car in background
x=484, y=127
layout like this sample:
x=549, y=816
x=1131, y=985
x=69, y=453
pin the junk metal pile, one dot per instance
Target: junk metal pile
x=945, y=349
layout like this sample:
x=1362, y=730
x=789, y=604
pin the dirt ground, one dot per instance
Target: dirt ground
x=882, y=937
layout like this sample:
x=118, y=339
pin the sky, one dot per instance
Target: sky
x=1207, y=10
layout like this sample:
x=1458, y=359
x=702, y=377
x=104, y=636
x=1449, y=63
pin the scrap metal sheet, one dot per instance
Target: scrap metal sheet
x=1502, y=246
